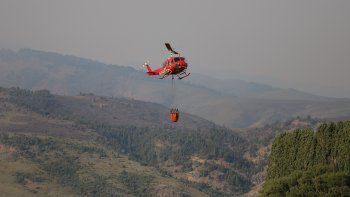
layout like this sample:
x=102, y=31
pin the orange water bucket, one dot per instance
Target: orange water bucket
x=174, y=115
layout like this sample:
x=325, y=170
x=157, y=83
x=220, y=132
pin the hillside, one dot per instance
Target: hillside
x=196, y=152
x=47, y=166
x=49, y=156
x=233, y=103
x=312, y=163
x=260, y=143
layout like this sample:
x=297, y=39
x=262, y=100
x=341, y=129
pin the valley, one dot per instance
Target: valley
x=110, y=121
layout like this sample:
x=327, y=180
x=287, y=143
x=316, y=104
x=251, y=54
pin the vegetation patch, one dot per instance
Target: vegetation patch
x=139, y=185
x=304, y=162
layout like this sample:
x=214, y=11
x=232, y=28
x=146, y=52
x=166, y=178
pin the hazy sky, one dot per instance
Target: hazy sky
x=302, y=44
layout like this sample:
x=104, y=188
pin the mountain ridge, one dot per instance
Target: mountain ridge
x=235, y=104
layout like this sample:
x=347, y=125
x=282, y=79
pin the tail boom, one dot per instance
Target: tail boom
x=150, y=71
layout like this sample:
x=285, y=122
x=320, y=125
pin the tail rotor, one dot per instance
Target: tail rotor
x=143, y=66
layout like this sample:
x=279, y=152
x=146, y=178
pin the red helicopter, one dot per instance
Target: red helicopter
x=172, y=66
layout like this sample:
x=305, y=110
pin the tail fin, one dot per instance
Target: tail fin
x=149, y=70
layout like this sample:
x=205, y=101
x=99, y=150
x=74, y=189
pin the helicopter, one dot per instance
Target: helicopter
x=172, y=66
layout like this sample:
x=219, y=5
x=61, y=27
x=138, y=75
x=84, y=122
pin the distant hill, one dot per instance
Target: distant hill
x=41, y=126
x=233, y=103
x=244, y=89
x=311, y=163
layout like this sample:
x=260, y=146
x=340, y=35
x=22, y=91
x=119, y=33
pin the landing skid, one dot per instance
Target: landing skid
x=180, y=76
x=165, y=74
x=183, y=75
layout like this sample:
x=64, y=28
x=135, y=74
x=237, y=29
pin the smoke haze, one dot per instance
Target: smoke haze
x=297, y=44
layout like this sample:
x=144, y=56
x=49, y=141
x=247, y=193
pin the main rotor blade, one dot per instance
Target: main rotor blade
x=170, y=49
